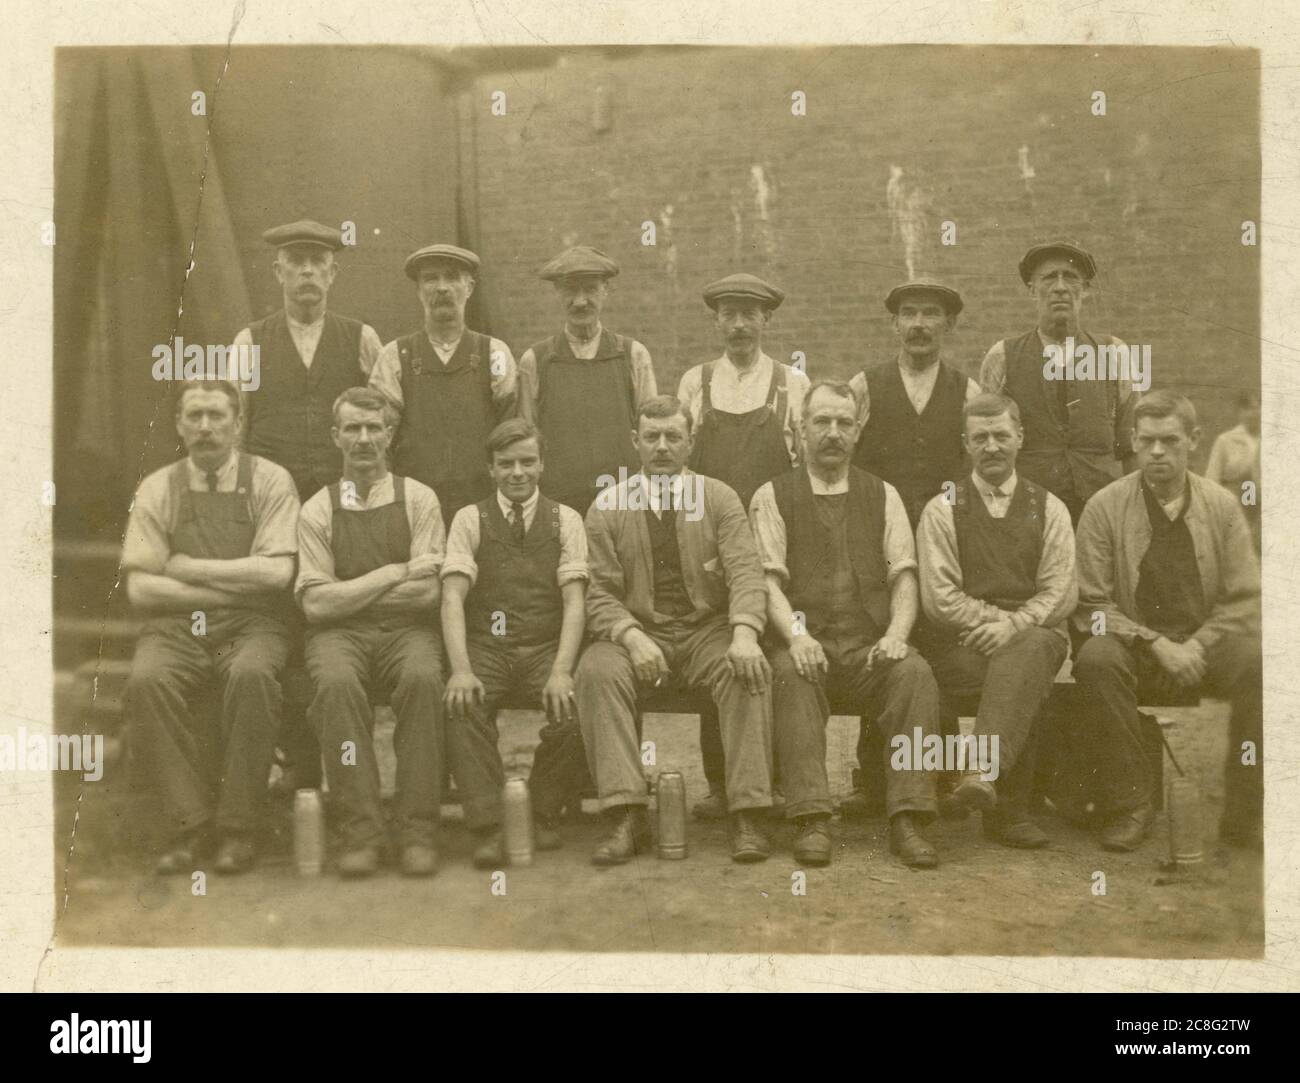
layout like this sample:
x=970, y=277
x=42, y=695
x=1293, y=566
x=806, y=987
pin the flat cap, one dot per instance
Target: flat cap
x=439, y=251
x=1076, y=255
x=304, y=231
x=579, y=260
x=948, y=297
x=746, y=286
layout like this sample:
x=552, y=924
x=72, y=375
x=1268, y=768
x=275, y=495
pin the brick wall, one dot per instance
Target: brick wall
x=1000, y=141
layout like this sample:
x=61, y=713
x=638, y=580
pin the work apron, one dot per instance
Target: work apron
x=743, y=450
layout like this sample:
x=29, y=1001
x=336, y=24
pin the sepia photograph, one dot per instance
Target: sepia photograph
x=658, y=499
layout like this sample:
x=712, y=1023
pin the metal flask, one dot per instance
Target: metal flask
x=517, y=822
x=672, y=815
x=308, y=832
x=1183, y=807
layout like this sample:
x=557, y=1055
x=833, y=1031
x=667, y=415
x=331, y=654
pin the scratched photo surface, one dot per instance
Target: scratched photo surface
x=832, y=173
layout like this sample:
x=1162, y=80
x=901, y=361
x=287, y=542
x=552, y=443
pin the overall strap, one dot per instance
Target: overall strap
x=706, y=400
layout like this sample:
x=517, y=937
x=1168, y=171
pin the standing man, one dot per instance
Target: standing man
x=582, y=387
x=676, y=593
x=370, y=549
x=208, y=558
x=840, y=562
x=909, y=408
x=1168, y=573
x=997, y=583
x=513, y=593
x=744, y=408
x=307, y=357
x=1077, y=432
x=452, y=386
x=1234, y=460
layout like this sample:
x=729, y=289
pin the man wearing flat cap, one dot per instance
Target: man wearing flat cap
x=745, y=410
x=581, y=387
x=453, y=386
x=909, y=408
x=307, y=355
x=1077, y=432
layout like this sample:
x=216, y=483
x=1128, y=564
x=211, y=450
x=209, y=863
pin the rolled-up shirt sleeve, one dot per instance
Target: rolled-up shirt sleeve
x=769, y=531
x=573, y=549
x=462, y=545
x=993, y=369
x=1056, y=588
x=900, y=546
x=315, y=554
x=275, y=510
x=386, y=375
x=644, y=385
x=505, y=380
x=428, y=535
x=147, y=543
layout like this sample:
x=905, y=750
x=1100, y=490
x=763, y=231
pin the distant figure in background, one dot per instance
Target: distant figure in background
x=582, y=387
x=1077, y=432
x=1234, y=460
x=208, y=557
x=744, y=408
x=451, y=386
x=1166, y=557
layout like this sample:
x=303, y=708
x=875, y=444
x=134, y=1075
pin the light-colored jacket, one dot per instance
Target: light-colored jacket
x=1114, y=534
x=720, y=564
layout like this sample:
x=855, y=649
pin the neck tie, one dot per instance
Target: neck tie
x=517, y=520
x=211, y=476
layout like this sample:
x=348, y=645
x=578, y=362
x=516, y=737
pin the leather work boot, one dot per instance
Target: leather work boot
x=418, y=860
x=1125, y=831
x=748, y=843
x=185, y=853
x=235, y=855
x=546, y=833
x=973, y=793
x=629, y=835
x=490, y=853
x=908, y=843
x=812, y=845
x=1020, y=833
x=713, y=807
x=354, y=864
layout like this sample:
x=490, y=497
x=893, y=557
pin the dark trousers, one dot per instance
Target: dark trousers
x=696, y=654
x=404, y=662
x=1113, y=678
x=902, y=697
x=1011, y=686
x=206, y=777
x=559, y=772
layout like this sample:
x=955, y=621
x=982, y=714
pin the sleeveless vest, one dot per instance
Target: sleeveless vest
x=810, y=550
x=290, y=414
x=915, y=453
x=1000, y=557
x=516, y=579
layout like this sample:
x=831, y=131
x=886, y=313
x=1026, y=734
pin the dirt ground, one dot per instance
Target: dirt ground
x=983, y=899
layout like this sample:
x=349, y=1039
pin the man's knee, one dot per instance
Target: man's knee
x=912, y=673
x=419, y=678
x=252, y=671
x=603, y=665
x=1101, y=659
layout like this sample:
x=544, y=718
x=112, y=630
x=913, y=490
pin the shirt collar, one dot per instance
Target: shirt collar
x=449, y=347
x=223, y=471
x=578, y=343
x=761, y=365
x=314, y=325
x=653, y=491
x=908, y=371
x=1008, y=487
x=529, y=504
x=825, y=488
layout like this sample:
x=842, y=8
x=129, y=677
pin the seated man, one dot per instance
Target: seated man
x=676, y=593
x=1168, y=605
x=513, y=590
x=370, y=549
x=841, y=601
x=209, y=557
x=997, y=583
